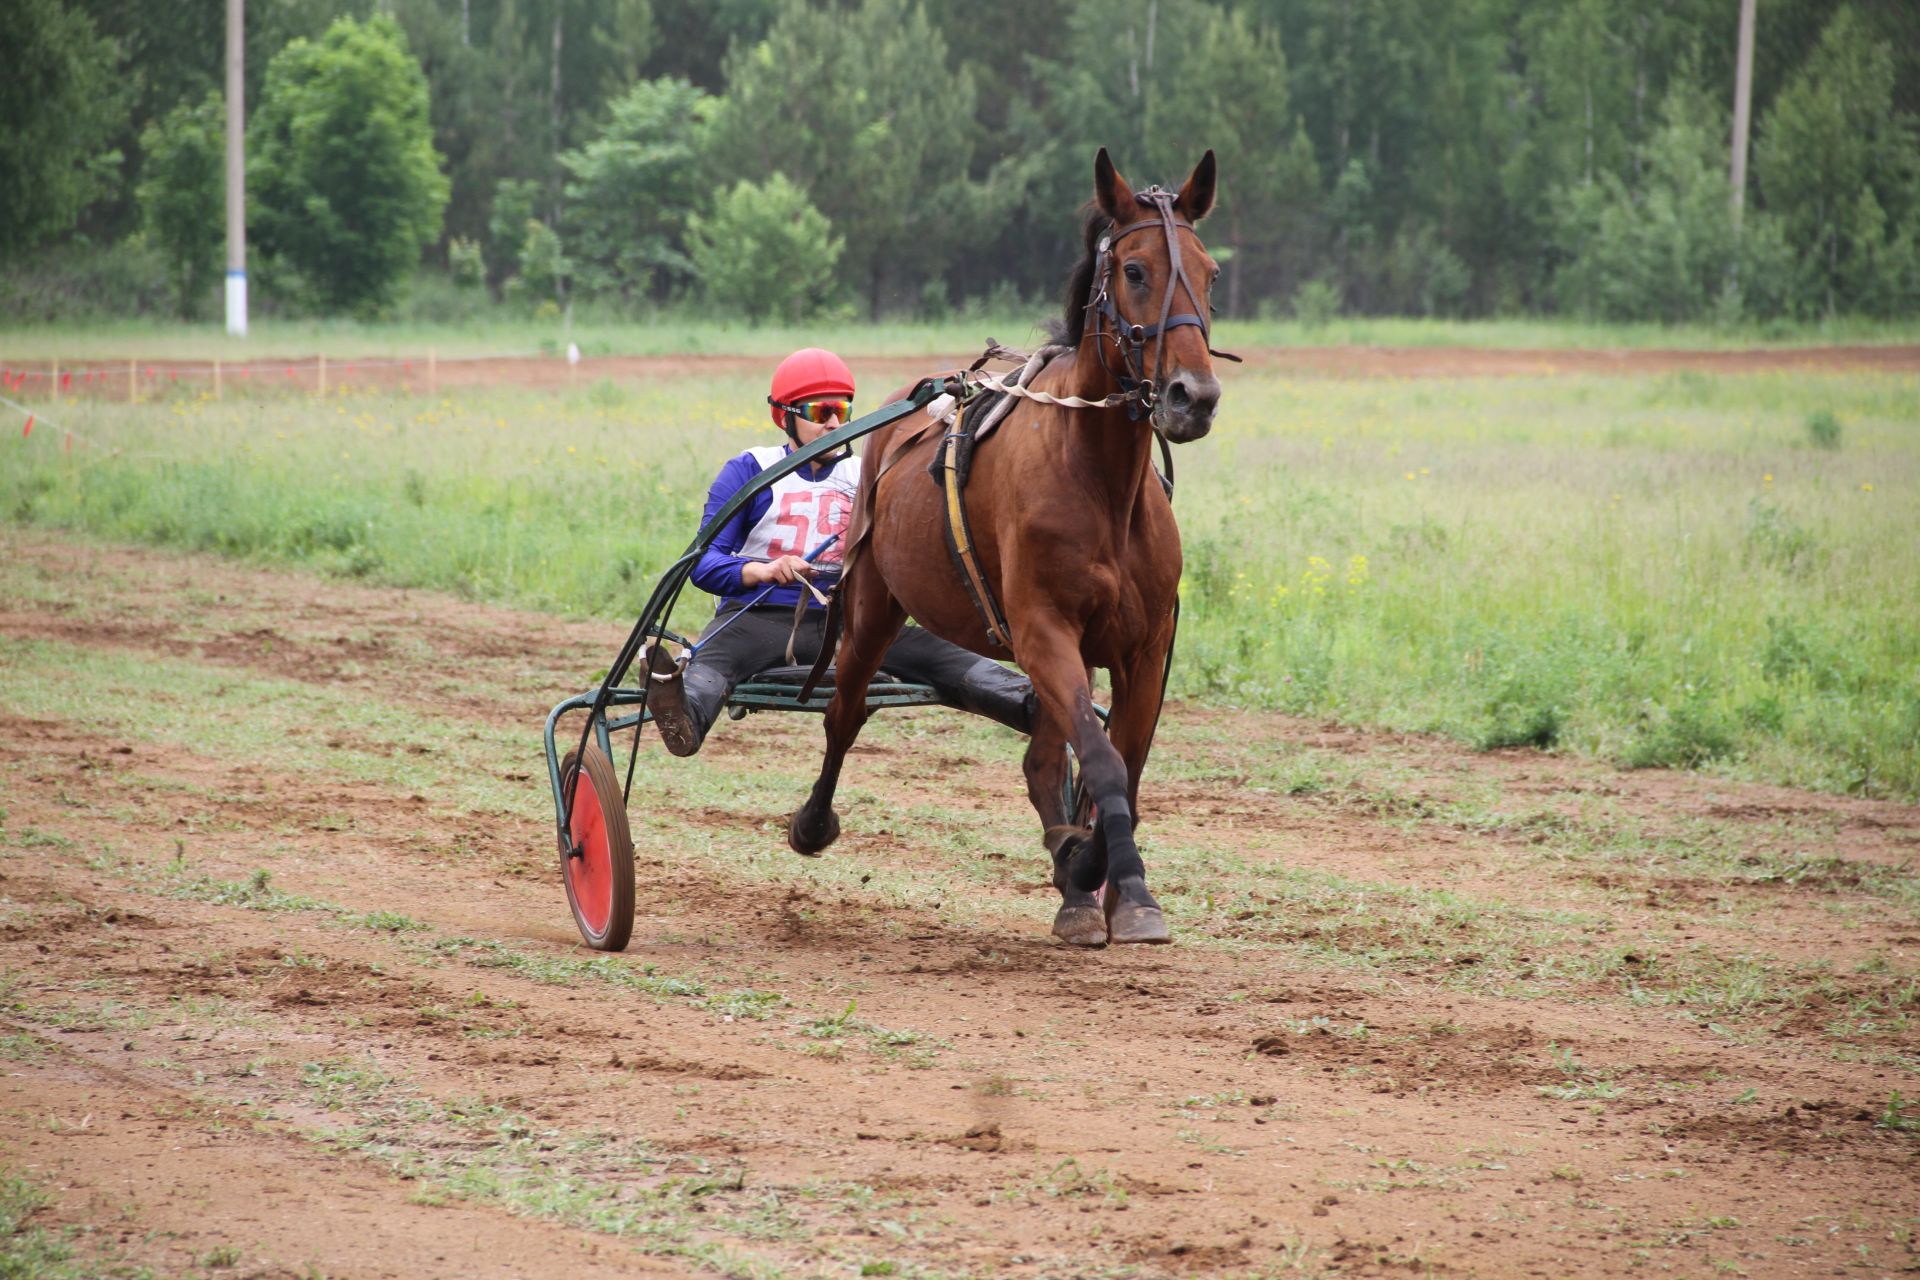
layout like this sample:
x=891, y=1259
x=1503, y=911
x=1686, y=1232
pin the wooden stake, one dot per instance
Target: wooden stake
x=216, y=379
x=433, y=372
x=53, y=381
x=323, y=377
x=133, y=382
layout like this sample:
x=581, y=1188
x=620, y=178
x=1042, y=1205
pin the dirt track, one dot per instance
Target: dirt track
x=418, y=375
x=1429, y=1010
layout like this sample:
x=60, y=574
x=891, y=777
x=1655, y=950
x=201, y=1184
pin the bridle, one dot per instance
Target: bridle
x=1138, y=392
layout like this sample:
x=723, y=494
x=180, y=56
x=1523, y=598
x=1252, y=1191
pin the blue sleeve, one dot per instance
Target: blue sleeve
x=718, y=570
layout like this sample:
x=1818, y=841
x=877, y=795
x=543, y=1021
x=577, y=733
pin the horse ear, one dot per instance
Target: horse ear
x=1110, y=190
x=1196, y=197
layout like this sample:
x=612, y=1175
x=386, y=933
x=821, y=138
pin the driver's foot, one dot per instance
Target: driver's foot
x=667, y=703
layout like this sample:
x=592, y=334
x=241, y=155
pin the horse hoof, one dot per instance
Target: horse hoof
x=808, y=839
x=1080, y=926
x=1131, y=920
x=1138, y=924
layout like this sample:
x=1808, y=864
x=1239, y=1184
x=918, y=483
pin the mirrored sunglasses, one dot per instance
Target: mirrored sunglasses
x=824, y=410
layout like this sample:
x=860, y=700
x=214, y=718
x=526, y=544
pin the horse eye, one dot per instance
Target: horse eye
x=1135, y=275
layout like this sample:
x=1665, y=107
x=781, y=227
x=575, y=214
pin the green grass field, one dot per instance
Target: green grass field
x=498, y=331
x=1686, y=569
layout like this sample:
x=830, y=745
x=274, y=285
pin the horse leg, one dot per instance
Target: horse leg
x=1079, y=921
x=1051, y=656
x=1133, y=915
x=874, y=618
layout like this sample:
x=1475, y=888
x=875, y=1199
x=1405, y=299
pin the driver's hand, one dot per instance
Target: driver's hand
x=786, y=569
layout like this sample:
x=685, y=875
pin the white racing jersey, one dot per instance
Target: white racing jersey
x=803, y=513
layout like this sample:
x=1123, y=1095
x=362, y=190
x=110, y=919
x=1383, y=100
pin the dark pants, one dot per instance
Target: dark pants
x=757, y=641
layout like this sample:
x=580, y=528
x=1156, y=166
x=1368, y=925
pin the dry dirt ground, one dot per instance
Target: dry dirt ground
x=288, y=986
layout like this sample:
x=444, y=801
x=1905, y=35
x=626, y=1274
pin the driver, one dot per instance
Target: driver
x=762, y=564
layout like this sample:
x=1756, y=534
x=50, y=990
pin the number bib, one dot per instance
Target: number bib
x=803, y=513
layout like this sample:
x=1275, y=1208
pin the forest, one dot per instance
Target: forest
x=783, y=159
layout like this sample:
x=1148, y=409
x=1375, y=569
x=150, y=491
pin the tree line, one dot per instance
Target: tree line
x=888, y=157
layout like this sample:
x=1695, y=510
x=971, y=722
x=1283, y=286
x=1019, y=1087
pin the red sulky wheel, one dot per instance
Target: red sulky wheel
x=598, y=870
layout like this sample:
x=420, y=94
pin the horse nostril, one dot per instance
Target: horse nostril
x=1178, y=396
x=1203, y=397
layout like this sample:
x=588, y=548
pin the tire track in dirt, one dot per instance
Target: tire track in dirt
x=169, y=1183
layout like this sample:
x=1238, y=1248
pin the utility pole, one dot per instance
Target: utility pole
x=1742, y=111
x=236, y=169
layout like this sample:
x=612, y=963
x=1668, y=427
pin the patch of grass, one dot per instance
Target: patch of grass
x=255, y=893
x=1895, y=1116
x=403, y=749
x=1579, y=1084
x=755, y=1006
x=568, y=971
x=34, y=838
x=35, y=1253
x=834, y=1031
x=1683, y=735
x=1473, y=942
x=717, y=1218
x=107, y=1015
x=338, y=1085
x=384, y=922
x=22, y=1047
x=1823, y=429
x=1067, y=1180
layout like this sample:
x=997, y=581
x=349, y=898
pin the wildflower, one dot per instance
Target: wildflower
x=1767, y=478
x=1867, y=488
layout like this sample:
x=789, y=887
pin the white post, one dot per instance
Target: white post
x=236, y=169
x=1742, y=110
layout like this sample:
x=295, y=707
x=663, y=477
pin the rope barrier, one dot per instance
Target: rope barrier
x=64, y=377
x=12, y=377
x=70, y=437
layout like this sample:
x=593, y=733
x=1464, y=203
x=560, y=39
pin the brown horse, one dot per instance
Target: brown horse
x=1076, y=537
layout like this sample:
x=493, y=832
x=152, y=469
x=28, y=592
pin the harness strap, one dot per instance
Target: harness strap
x=953, y=463
x=793, y=633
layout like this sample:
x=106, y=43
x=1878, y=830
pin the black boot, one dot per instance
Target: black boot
x=991, y=690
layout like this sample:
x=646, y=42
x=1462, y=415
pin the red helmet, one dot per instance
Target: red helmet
x=810, y=371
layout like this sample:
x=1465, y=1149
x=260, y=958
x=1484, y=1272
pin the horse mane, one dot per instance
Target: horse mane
x=1071, y=326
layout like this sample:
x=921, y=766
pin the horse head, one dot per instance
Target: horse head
x=1147, y=299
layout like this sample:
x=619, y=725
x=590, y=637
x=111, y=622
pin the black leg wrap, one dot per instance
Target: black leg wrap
x=1120, y=855
x=1087, y=869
